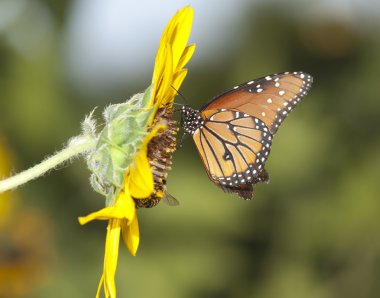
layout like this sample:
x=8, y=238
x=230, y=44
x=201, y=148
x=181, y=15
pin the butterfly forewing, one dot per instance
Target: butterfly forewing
x=269, y=98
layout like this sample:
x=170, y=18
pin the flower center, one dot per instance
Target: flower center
x=160, y=150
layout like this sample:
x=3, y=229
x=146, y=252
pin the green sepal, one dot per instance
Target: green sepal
x=118, y=143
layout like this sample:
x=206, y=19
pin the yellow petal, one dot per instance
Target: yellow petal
x=182, y=32
x=102, y=214
x=101, y=282
x=141, y=179
x=140, y=182
x=178, y=79
x=159, y=127
x=111, y=256
x=176, y=32
x=186, y=56
x=160, y=56
x=159, y=68
x=167, y=78
x=131, y=235
x=172, y=55
x=176, y=84
x=124, y=208
x=127, y=204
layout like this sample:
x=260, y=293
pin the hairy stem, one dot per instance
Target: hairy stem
x=75, y=147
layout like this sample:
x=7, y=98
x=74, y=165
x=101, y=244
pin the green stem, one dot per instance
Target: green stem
x=76, y=147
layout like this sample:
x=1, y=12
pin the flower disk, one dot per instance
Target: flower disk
x=160, y=150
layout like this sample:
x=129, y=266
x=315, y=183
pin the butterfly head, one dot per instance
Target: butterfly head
x=191, y=119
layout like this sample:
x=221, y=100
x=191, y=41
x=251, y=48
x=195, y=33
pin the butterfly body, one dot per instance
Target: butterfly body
x=234, y=131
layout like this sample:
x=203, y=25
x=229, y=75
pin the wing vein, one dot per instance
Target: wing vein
x=213, y=152
x=223, y=142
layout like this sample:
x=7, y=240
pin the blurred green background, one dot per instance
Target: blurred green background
x=312, y=232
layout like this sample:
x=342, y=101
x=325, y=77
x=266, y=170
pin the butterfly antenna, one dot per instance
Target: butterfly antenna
x=180, y=94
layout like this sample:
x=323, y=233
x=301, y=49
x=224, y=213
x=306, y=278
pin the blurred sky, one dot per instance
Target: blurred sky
x=108, y=43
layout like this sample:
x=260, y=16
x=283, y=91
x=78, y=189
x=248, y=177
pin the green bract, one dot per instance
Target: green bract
x=119, y=141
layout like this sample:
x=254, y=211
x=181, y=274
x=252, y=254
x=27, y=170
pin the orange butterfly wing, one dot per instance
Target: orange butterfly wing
x=270, y=98
x=233, y=147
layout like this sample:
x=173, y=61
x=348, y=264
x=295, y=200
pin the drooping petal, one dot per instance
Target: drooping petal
x=101, y=282
x=111, y=256
x=102, y=214
x=131, y=235
x=124, y=208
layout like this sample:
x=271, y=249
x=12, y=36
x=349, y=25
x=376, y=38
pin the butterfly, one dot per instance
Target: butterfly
x=234, y=131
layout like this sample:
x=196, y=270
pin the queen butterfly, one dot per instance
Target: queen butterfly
x=233, y=132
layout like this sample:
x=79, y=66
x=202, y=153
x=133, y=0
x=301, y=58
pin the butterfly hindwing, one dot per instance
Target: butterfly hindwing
x=234, y=147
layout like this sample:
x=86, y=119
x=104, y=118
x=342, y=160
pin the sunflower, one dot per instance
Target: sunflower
x=139, y=180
